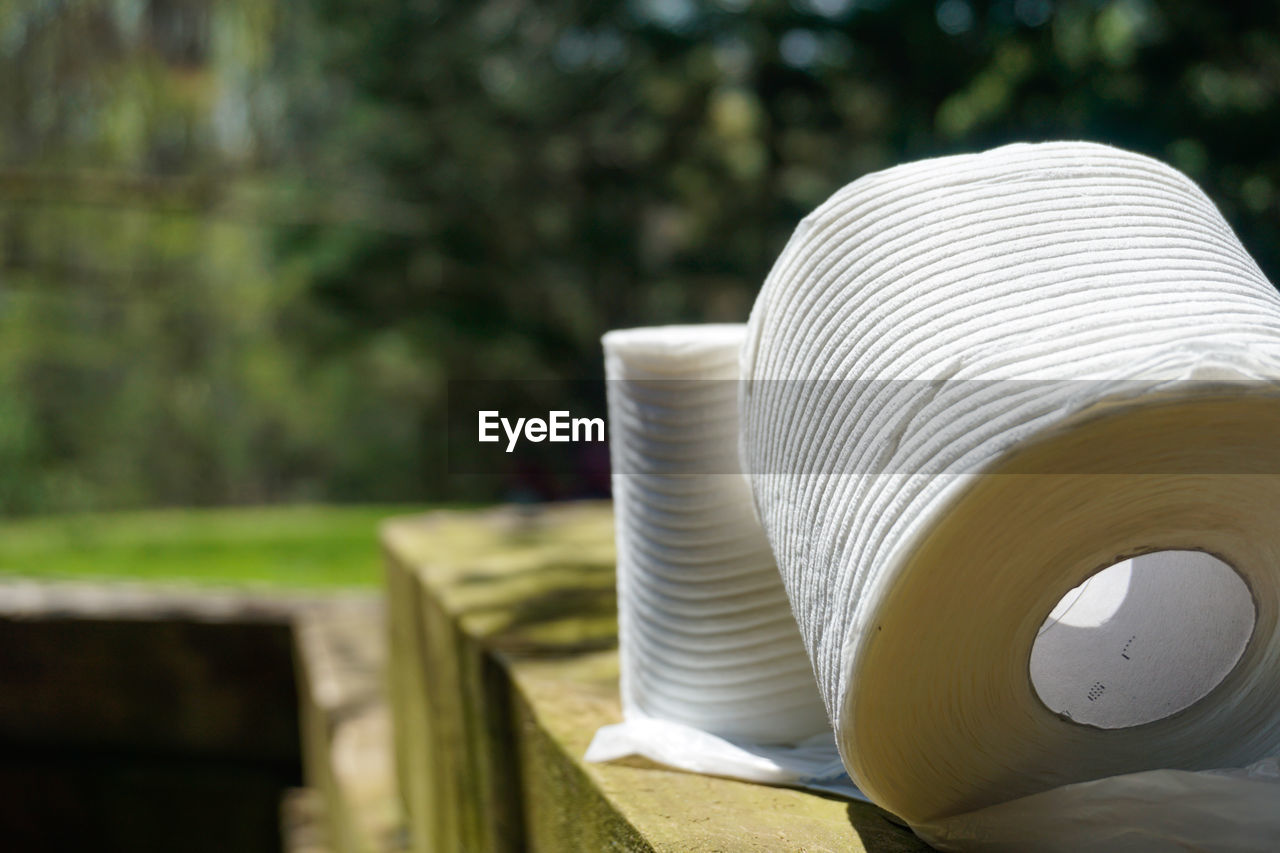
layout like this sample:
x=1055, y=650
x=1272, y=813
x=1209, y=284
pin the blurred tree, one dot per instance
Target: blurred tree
x=145, y=354
x=586, y=164
x=243, y=244
x=631, y=158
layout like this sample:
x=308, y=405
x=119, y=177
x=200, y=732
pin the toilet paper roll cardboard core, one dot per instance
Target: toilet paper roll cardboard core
x=1142, y=639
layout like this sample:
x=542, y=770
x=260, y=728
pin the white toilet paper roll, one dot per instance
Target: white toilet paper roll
x=706, y=636
x=942, y=443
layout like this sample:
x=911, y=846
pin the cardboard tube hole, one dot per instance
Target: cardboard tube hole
x=1142, y=639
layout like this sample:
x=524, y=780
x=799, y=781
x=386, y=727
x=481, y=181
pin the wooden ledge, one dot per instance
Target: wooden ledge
x=502, y=666
x=346, y=729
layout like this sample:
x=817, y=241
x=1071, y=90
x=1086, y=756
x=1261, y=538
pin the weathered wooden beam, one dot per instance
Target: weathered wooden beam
x=137, y=717
x=345, y=726
x=503, y=664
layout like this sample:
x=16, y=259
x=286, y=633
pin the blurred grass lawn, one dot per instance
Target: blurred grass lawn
x=295, y=547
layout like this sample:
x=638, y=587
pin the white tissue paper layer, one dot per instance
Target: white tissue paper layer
x=920, y=582
x=714, y=676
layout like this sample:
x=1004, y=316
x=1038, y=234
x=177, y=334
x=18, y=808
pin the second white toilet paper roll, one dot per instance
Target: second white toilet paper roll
x=928, y=512
x=706, y=636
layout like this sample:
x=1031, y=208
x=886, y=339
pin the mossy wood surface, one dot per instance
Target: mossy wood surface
x=302, y=827
x=345, y=726
x=503, y=664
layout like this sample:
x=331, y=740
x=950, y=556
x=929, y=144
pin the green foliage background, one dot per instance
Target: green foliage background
x=244, y=243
